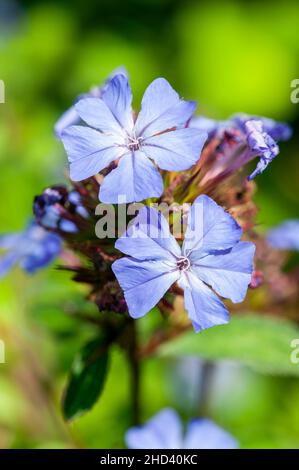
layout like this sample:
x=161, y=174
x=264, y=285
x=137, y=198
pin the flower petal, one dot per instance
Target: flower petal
x=209, y=229
x=96, y=113
x=229, y=274
x=118, y=98
x=204, y=434
x=7, y=262
x=204, y=308
x=68, y=118
x=144, y=283
x=149, y=237
x=177, y=150
x=136, y=178
x=89, y=151
x=285, y=236
x=9, y=240
x=163, y=431
x=162, y=109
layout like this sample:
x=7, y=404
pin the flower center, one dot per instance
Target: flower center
x=183, y=263
x=134, y=143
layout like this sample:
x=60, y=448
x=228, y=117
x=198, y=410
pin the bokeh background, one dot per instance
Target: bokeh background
x=230, y=56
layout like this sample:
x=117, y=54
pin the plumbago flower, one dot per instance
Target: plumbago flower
x=112, y=135
x=285, y=236
x=257, y=135
x=165, y=431
x=211, y=255
x=32, y=249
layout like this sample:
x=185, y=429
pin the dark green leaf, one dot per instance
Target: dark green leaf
x=262, y=342
x=87, y=378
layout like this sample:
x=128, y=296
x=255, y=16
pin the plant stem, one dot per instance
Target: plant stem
x=205, y=388
x=134, y=364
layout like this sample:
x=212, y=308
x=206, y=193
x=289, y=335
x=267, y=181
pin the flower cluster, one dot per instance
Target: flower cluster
x=190, y=173
x=163, y=152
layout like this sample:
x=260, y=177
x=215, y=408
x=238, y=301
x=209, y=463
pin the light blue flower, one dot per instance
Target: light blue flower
x=165, y=431
x=259, y=134
x=112, y=135
x=32, y=249
x=261, y=144
x=276, y=129
x=285, y=236
x=211, y=255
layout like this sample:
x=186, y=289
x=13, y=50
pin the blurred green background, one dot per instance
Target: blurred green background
x=230, y=56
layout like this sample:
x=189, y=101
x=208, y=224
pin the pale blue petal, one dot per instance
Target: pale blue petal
x=136, y=178
x=144, y=283
x=177, y=150
x=209, y=229
x=7, y=262
x=118, y=98
x=285, y=236
x=69, y=118
x=95, y=112
x=149, y=237
x=68, y=226
x=204, y=308
x=9, y=240
x=163, y=431
x=40, y=250
x=205, y=124
x=162, y=109
x=229, y=274
x=204, y=434
x=89, y=151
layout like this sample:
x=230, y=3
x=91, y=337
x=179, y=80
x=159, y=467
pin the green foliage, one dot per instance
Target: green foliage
x=87, y=378
x=261, y=342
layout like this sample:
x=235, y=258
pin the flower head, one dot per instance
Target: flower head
x=54, y=205
x=211, y=255
x=248, y=137
x=113, y=135
x=32, y=249
x=285, y=236
x=165, y=431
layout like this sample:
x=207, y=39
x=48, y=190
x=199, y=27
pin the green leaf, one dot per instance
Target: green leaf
x=262, y=342
x=86, y=380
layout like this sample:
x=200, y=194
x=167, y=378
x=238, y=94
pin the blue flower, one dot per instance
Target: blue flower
x=211, y=255
x=50, y=209
x=261, y=144
x=112, y=134
x=165, y=431
x=259, y=134
x=31, y=249
x=277, y=130
x=285, y=236
x=70, y=117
